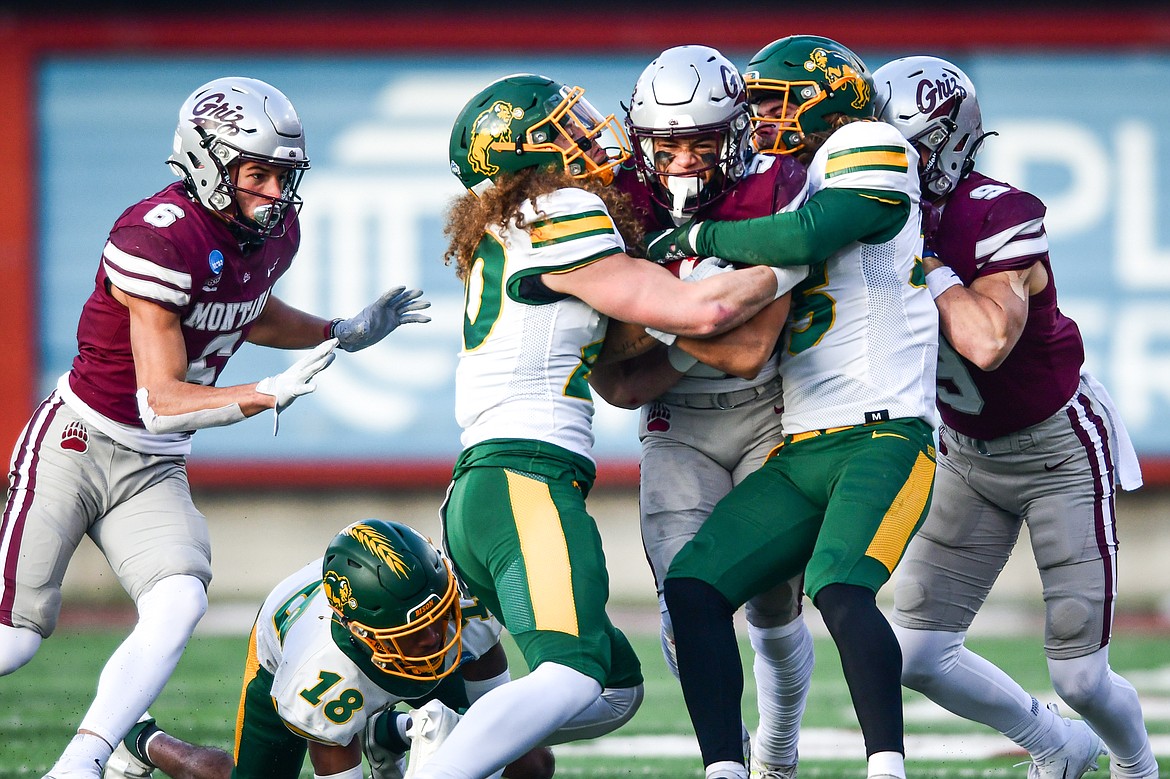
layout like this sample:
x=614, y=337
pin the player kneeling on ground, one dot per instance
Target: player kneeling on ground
x=377, y=622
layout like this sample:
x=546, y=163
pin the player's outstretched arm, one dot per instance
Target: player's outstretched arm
x=634, y=290
x=744, y=350
x=282, y=326
x=168, y=403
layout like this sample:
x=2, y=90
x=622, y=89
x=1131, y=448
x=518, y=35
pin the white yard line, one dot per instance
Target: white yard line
x=823, y=744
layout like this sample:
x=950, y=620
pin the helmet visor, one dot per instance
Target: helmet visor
x=420, y=649
x=589, y=143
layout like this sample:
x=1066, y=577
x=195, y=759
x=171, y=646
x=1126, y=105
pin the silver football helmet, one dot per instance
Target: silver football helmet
x=933, y=105
x=688, y=91
x=232, y=120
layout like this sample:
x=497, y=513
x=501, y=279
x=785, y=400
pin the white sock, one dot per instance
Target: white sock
x=887, y=764
x=783, y=668
x=1108, y=703
x=510, y=720
x=138, y=670
x=936, y=663
x=86, y=755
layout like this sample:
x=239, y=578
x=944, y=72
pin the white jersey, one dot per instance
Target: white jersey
x=319, y=692
x=863, y=332
x=527, y=351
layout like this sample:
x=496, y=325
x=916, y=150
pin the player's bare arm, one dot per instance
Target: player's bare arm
x=983, y=322
x=160, y=364
x=624, y=341
x=634, y=383
x=281, y=326
x=744, y=350
x=634, y=290
x=330, y=759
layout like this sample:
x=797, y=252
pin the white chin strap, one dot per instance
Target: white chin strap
x=681, y=189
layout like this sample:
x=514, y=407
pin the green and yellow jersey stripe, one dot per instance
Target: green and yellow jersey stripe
x=548, y=232
x=866, y=158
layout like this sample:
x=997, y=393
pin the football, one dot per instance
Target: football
x=682, y=268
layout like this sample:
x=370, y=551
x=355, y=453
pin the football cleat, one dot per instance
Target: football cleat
x=429, y=727
x=761, y=770
x=129, y=760
x=1075, y=757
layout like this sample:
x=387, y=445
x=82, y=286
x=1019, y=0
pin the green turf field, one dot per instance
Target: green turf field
x=41, y=704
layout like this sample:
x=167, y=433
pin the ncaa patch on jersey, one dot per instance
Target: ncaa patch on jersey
x=215, y=261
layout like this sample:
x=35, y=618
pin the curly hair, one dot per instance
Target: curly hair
x=468, y=216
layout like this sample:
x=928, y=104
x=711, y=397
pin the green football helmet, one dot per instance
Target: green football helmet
x=813, y=77
x=396, y=596
x=525, y=121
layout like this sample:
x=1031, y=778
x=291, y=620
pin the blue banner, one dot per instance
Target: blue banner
x=380, y=183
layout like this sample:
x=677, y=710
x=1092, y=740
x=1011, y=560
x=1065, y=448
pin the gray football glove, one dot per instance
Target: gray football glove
x=378, y=320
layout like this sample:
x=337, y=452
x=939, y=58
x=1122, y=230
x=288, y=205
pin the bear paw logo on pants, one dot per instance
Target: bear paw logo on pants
x=75, y=438
x=658, y=418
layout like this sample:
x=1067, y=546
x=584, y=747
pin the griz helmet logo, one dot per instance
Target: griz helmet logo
x=732, y=83
x=494, y=124
x=836, y=67
x=214, y=114
x=937, y=98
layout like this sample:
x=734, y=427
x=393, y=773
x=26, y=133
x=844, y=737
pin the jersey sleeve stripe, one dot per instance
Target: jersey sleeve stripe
x=140, y=267
x=149, y=290
x=554, y=231
x=892, y=158
x=1021, y=248
x=993, y=243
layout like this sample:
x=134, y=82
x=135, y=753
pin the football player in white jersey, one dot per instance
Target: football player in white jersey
x=186, y=277
x=378, y=621
x=843, y=493
x=690, y=130
x=538, y=245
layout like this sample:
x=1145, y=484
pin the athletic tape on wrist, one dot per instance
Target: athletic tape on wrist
x=940, y=280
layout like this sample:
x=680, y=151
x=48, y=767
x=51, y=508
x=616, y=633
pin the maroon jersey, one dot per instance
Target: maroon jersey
x=987, y=227
x=172, y=251
x=770, y=184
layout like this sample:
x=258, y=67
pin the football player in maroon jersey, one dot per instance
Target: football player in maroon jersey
x=710, y=408
x=185, y=279
x=1028, y=436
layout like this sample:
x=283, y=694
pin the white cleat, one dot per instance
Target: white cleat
x=764, y=771
x=1075, y=757
x=129, y=760
x=429, y=727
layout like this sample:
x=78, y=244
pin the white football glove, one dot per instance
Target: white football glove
x=708, y=267
x=378, y=320
x=296, y=381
